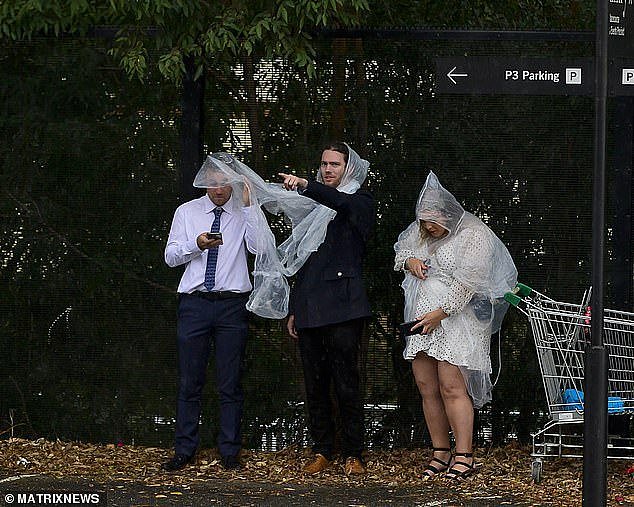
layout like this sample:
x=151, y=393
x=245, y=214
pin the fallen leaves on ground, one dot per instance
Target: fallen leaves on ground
x=505, y=471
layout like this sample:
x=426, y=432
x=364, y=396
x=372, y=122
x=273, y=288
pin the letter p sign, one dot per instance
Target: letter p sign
x=573, y=76
x=628, y=77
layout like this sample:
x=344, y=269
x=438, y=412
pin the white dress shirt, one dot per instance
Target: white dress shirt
x=238, y=227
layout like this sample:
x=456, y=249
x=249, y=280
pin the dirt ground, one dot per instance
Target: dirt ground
x=130, y=475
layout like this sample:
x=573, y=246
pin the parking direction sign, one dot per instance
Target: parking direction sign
x=515, y=76
x=531, y=76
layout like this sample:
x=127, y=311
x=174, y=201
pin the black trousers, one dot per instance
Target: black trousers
x=330, y=356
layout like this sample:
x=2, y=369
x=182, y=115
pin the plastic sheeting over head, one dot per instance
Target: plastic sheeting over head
x=270, y=295
x=480, y=263
x=309, y=221
x=483, y=264
x=438, y=205
x=354, y=174
x=215, y=173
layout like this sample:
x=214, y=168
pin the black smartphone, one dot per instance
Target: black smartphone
x=214, y=235
x=406, y=328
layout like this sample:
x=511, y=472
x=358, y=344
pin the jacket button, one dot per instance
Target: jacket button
x=340, y=273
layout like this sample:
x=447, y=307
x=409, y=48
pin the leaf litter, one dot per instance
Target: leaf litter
x=505, y=472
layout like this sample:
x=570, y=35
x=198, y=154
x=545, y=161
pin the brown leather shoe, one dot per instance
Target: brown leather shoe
x=354, y=466
x=317, y=465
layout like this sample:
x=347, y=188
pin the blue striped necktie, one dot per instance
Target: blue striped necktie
x=212, y=254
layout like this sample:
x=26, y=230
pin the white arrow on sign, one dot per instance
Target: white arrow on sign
x=451, y=75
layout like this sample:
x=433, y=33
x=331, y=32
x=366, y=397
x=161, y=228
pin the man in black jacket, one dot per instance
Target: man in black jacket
x=328, y=306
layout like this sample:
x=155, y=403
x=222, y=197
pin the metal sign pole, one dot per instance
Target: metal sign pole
x=596, y=358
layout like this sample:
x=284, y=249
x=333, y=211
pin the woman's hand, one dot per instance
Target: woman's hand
x=430, y=321
x=292, y=182
x=417, y=267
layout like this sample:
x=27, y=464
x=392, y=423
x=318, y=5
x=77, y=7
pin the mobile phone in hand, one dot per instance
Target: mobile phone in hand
x=406, y=328
x=214, y=235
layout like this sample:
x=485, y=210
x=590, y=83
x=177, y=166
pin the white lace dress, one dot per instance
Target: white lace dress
x=460, y=339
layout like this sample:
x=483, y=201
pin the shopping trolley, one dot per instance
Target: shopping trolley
x=561, y=332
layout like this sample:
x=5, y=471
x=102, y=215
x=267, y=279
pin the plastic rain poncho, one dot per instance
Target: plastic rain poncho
x=470, y=272
x=309, y=221
x=217, y=171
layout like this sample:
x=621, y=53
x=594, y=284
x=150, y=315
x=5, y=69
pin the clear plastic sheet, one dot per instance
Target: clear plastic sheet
x=309, y=221
x=481, y=271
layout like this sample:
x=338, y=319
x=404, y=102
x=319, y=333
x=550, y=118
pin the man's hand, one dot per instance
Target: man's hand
x=417, y=267
x=246, y=192
x=430, y=321
x=290, y=326
x=205, y=243
x=292, y=182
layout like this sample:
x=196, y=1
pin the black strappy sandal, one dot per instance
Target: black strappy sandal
x=432, y=471
x=454, y=474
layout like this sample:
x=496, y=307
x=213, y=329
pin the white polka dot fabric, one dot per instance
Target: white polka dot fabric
x=453, y=341
x=471, y=270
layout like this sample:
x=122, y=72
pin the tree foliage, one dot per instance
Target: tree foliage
x=174, y=30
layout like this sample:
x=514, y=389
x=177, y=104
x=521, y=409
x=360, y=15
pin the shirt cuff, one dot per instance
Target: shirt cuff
x=192, y=246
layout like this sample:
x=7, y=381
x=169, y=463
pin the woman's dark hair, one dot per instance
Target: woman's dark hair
x=340, y=147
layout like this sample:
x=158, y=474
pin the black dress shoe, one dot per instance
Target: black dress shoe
x=178, y=462
x=231, y=462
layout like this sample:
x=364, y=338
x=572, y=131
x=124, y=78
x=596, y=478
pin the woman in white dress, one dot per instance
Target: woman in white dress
x=456, y=274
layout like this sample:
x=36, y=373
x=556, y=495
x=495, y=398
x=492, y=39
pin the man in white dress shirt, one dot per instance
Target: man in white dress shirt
x=210, y=236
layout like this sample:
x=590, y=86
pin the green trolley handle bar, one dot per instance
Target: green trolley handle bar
x=519, y=291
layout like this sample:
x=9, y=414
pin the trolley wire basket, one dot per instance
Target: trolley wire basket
x=561, y=332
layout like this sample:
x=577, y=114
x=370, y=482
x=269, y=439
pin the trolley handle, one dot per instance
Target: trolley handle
x=515, y=296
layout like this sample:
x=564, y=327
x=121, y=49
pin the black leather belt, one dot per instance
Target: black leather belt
x=219, y=294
